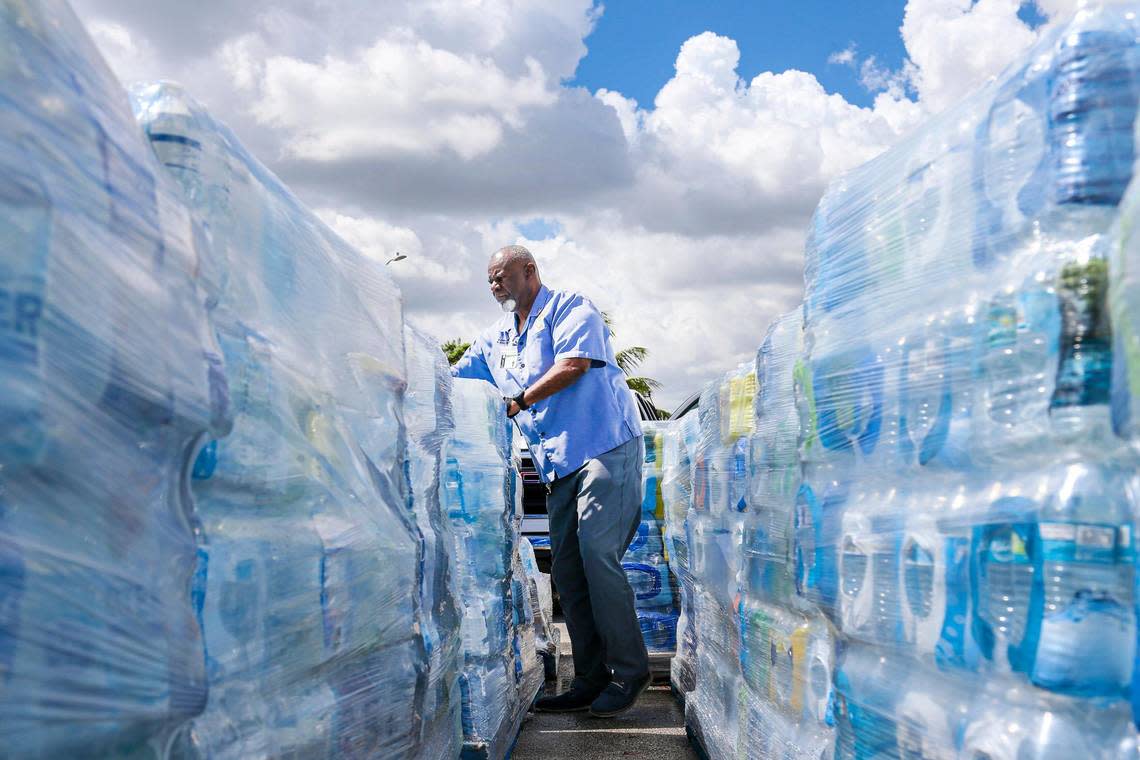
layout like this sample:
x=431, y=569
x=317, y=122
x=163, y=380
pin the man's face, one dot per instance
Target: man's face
x=508, y=282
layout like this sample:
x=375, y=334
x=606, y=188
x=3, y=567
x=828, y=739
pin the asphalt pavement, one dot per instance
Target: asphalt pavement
x=653, y=728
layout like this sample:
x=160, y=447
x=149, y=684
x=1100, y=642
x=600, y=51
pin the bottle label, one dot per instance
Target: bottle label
x=1085, y=542
x=20, y=311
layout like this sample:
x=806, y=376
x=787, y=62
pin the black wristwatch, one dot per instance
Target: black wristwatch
x=519, y=400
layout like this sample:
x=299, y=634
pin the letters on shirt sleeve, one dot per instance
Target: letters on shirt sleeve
x=473, y=363
x=578, y=332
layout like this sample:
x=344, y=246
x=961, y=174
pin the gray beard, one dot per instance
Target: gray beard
x=509, y=305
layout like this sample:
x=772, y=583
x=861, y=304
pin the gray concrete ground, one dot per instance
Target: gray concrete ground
x=654, y=728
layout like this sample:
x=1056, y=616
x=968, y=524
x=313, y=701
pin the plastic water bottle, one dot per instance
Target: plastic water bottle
x=1135, y=695
x=848, y=386
x=1054, y=581
x=1093, y=95
x=1092, y=106
x=836, y=268
x=1003, y=575
x=767, y=570
x=715, y=554
x=1087, y=632
x=925, y=398
x=1009, y=168
x=930, y=377
x=755, y=644
x=867, y=693
x=820, y=503
x=777, y=423
x=869, y=569
x=1080, y=403
x=930, y=714
x=1011, y=726
x=57, y=318
x=1018, y=365
x=658, y=629
x=936, y=589
x=791, y=660
x=647, y=544
x=651, y=586
x=766, y=731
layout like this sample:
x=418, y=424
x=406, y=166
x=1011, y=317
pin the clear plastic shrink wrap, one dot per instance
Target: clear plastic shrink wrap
x=308, y=548
x=548, y=639
x=530, y=671
x=428, y=416
x=945, y=567
x=787, y=650
x=966, y=515
x=721, y=471
x=109, y=379
x=498, y=681
x=646, y=561
x=679, y=445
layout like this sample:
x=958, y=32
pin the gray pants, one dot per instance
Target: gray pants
x=594, y=513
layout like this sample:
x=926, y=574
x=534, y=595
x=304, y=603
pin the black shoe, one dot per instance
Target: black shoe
x=576, y=699
x=619, y=696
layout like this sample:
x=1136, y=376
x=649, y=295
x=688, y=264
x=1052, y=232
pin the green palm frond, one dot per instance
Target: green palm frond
x=629, y=358
x=643, y=385
x=608, y=321
x=454, y=349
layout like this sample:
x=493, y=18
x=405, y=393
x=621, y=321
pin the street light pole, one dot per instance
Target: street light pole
x=398, y=257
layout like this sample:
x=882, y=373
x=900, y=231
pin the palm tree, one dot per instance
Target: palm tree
x=454, y=349
x=628, y=359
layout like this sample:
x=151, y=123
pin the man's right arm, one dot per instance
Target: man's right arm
x=473, y=363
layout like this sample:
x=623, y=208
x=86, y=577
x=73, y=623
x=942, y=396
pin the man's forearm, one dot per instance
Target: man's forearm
x=562, y=375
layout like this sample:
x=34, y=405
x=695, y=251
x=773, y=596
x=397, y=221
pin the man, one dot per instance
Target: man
x=550, y=356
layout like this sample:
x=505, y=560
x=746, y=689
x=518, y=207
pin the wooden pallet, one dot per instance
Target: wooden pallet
x=697, y=743
x=660, y=667
x=484, y=750
x=678, y=695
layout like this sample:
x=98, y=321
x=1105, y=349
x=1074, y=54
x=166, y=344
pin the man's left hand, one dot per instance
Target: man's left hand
x=512, y=408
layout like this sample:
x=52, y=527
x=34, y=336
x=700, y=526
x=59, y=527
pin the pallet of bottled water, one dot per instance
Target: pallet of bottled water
x=213, y=539
x=646, y=560
x=502, y=671
x=924, y=545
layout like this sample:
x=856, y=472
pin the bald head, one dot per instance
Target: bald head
x=513, y=276
x=510, y=254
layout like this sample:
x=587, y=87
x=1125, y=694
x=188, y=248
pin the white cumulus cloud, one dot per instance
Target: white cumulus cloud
x=400, y=95
x=438, y=128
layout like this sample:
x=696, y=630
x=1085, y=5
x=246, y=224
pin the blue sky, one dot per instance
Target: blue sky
x=635, y=43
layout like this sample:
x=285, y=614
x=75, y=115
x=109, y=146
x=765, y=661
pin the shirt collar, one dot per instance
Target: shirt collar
x=540, y=300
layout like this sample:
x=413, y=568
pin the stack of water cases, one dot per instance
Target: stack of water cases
x=109, y=378
x=966, y=514
x=646, y=561
x=787, y=652
x=308, y=549
x=501, y=669
x=530, y=667
x=679, y=446
x=547, y=638
x=945, y=564
x=427, y=408
x=715, y=528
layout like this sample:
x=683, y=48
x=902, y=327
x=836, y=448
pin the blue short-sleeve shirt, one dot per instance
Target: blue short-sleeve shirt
x=592, y=416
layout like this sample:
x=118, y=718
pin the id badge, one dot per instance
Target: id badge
x=509, y=357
